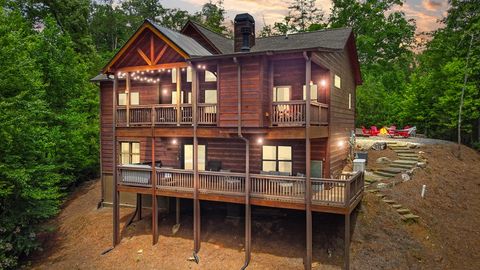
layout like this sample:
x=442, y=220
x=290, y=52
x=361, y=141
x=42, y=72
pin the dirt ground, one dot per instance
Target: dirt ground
x=446, y=236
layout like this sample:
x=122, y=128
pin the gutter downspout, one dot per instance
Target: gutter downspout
x=248, y=215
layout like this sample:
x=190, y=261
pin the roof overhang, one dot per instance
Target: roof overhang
x=194, y=26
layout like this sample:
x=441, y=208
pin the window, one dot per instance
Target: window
x=129, y=152
x=277, y=158
x=174, y=75
x=122, y=99
x=281, y=93
x=134, y=99
x=211, y=96
x=349, y=101
x=313, y=92
x=189, y=74
x=210, y=76
x=174, y=97
x=188, y=157
x=338, y=81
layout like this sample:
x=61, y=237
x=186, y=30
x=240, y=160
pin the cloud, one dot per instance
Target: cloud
x=433, y=5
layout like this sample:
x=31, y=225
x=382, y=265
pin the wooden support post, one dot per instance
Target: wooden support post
x=308, y=189
x=346, y=264
x=116, y=203
x=179, y=95
x=154, y=194
x=177, y=211
x=140, y=206
x=196, y=182
x=127, y=97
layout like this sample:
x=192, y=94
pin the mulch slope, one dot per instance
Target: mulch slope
x=445, y=237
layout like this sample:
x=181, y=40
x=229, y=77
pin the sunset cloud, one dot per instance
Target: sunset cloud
x=426, y=13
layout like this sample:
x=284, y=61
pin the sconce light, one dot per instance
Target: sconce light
x=323, y=83
x=174, y=141
x=341, y=143
x=260, y=140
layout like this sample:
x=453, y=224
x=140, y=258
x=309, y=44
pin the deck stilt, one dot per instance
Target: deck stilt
x=346, y=265
x=177, y=211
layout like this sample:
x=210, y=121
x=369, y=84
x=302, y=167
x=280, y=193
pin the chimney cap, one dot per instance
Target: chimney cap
x=244, y=17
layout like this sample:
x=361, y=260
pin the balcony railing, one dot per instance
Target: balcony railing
x=165, y=114
x=334, y=192
x=293, y=113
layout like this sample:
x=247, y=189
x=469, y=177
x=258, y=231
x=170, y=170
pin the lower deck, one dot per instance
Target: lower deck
x=328, y=195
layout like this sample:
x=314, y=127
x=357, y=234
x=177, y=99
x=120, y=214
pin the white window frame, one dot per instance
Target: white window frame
x=122, y=98
x=349, y=101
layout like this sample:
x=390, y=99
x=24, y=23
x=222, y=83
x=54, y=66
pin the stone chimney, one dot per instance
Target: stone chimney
x=243, y=32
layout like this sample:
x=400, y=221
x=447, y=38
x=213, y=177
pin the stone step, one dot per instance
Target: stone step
x=392, y=143
x=380, y=195
x=403, y=161
x=410, y=217
x=397, y=206
x=403, y=166
x=398, y=147
x=391, y=170
x=384, y=174
x=372, y=190
x=404, y=151
x=388, y=201
x=403, y=211
x=409, y=158
x=407, y=155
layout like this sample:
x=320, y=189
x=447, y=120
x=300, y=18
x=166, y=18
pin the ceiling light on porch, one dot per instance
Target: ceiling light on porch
x=183, y=69
x=142, y=72
x=323, y=82
x=169, y=70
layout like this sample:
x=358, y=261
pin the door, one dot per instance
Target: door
x=188, y=157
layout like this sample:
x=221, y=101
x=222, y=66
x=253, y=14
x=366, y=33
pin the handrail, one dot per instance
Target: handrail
x=334, y=192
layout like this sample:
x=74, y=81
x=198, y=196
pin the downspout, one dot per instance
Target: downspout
x=248, y=216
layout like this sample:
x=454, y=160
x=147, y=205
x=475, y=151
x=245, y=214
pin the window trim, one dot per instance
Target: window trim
x=339, y=85
x=211, y=78
x=276, y=160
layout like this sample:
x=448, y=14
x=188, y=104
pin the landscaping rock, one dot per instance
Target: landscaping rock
x=405, y=177
x=383, y=160
x=379, y=146
x=422, y=165
x=382, y=185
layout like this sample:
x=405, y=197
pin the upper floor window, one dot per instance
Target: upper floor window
x=134, y=99
x=129, y=152
x=277, y=158
x=313, y=92
x=338, y=81
x=349, y=101
x=182, y=94
x=210, y=76
x=189, y=74
x=281, y=93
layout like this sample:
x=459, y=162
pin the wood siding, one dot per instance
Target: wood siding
x=342, y=119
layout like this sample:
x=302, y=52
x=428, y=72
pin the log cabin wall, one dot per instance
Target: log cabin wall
x=342, y=118
x=252, y=93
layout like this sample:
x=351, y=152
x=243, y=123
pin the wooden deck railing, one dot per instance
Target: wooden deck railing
x=165, y=114
x=293, y=113
x=341, y=192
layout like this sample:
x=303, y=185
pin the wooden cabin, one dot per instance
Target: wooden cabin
x=254, y=121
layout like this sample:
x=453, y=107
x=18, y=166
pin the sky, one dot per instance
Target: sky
x=425, y=12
